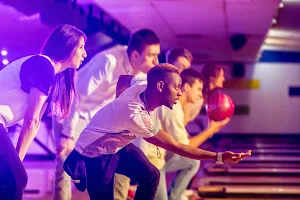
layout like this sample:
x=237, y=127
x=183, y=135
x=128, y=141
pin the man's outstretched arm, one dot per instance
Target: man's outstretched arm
x=164, y=140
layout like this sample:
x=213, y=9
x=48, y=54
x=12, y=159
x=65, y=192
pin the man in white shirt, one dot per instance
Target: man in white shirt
x=172, y=121
x=104, y=147
x=182, y=59
x=96, y=87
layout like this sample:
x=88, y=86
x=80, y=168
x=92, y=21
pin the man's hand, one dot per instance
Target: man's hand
x=231, y=157
x=65, y=146
x=216, y=126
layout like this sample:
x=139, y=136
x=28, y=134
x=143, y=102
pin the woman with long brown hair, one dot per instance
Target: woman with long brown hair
x=29, y=85
x=214, y=75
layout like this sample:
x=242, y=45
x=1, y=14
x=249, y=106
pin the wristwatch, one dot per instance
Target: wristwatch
x=219, y=158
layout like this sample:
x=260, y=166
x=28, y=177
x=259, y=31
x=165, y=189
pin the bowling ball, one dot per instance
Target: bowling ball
x=219, y=106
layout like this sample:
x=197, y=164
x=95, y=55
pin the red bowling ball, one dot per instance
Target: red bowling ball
x=219, y=106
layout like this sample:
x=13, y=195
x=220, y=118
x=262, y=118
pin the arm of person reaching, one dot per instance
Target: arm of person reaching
x=143, y=125
x=167, y=142
x=213, y=128
x=32, y=119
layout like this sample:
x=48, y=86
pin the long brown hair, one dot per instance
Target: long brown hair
x=209, y=71
x=60, y=46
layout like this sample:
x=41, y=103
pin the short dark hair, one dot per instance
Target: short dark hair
x=173, y=54
x=190, y=76
x=161, y=72
x=140, y=39
x=62, y=42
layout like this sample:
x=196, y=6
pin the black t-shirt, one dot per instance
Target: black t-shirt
x=37, y=72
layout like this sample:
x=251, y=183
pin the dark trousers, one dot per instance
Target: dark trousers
x=13, y=177
x=129, y=161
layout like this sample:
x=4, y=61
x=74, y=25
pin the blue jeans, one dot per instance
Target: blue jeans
x=186, y=169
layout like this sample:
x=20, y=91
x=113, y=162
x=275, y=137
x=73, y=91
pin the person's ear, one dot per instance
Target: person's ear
x=135, y=54
x=186, y=87
x=160, y=86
